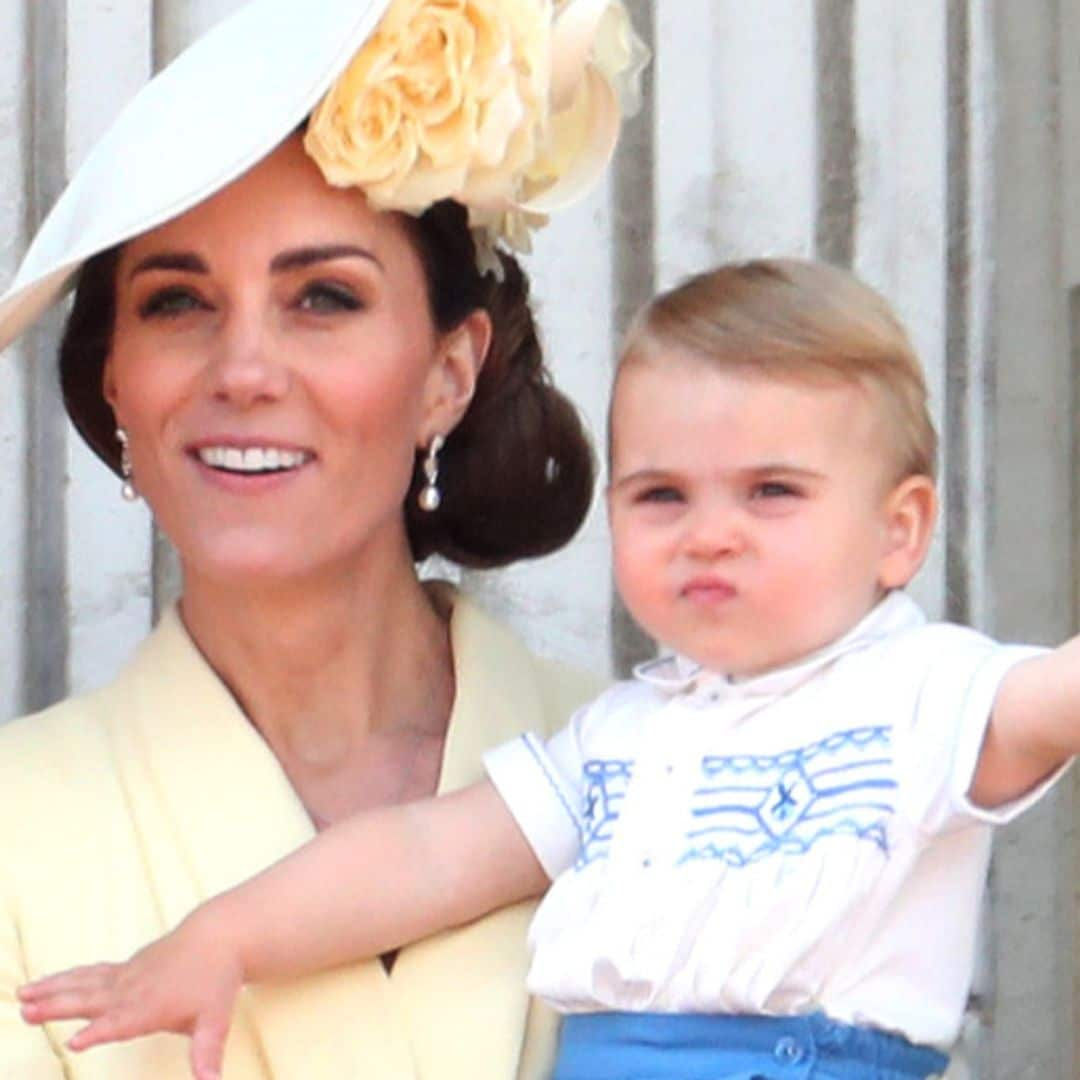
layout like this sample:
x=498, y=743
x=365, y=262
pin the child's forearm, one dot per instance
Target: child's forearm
x=375, y=882
x=1034, y=728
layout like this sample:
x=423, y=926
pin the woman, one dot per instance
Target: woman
x=311, y=389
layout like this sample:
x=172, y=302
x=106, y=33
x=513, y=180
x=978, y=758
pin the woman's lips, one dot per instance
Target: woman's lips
x=252, y=459
x=250, y=465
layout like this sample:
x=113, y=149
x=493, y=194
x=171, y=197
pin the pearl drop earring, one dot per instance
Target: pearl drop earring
x=127, y=491
x=430, y=497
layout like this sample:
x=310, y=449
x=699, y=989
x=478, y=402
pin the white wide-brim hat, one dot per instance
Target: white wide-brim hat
x=239, y=91
x=217, y=110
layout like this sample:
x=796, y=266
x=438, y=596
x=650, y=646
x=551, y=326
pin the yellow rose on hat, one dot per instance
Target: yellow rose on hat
x=511, y=107
x=446, y=100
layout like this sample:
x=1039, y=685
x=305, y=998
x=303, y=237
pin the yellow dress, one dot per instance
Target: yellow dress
x=123, y=809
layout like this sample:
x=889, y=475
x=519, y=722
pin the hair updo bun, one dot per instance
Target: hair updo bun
x=517, y=472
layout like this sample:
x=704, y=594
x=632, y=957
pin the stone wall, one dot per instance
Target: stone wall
x=932, y=145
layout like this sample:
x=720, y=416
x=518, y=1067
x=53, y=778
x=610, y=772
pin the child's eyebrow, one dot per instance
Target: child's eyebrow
x=641, y=476
x=768, y=468
x=771, y=468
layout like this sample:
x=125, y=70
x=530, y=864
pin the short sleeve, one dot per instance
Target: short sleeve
x=961, y=671
x=540, y=784
x=984, y=690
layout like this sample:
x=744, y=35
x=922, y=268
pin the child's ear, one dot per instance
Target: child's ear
x=909, y=515
x=452, y=382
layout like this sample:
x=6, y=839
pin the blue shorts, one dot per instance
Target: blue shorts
x=685, y=1046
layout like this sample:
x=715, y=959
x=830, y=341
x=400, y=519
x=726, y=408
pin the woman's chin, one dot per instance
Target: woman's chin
x=253, y=561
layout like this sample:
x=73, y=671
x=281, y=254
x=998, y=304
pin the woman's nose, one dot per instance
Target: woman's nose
x=246, y=368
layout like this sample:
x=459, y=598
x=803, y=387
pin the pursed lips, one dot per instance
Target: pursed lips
x=707, y=589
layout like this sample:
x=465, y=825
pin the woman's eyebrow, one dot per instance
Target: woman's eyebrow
x=308, y=256
x=170, y=260
x=189, y=262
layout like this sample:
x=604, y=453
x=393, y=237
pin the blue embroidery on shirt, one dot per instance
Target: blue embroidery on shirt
x=606, y=781
x=751, y=807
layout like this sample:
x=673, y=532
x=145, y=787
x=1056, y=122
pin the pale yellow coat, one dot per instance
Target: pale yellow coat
x=121, y=810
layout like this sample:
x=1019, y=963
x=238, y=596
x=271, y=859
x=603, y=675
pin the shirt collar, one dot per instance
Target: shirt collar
x=674, y=674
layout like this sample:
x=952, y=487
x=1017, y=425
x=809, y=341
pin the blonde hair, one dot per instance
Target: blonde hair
x=798, y=320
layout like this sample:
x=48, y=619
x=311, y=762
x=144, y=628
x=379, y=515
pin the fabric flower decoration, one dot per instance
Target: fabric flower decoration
x=510, y=107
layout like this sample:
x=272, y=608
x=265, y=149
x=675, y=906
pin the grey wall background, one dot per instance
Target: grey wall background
x=932, y=145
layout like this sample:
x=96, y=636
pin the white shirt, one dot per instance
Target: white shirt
x=797, y=841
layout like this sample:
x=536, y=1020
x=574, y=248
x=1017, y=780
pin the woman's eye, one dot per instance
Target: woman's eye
x=169, y=303
x=328, y=298
x=774, y=489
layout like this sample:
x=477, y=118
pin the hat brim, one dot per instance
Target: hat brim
x=217, y=110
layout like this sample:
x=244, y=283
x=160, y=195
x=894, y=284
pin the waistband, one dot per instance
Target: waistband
x=684, y=1046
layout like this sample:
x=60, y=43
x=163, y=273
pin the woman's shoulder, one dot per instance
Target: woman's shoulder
x=59, y=753
x=71, y=729
x=58, y=788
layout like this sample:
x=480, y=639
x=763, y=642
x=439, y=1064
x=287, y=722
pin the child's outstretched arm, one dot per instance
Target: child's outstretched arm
x=1034, y=727
x=368, y=885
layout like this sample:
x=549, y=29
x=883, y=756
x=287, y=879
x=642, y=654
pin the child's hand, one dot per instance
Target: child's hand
x=186, y=983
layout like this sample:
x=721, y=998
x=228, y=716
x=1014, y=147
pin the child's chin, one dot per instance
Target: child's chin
x=740, y=668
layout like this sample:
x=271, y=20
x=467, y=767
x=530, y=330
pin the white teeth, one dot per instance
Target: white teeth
x=252, y=460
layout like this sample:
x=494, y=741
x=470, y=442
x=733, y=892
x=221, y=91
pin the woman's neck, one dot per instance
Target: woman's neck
x=324, y=667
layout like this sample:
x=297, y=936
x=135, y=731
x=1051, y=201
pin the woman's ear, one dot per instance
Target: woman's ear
x=910, y=513
x=452, y=381
x=108, y=383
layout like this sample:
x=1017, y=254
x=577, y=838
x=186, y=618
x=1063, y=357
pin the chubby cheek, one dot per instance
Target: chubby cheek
x=823, y=588
x=641, y=578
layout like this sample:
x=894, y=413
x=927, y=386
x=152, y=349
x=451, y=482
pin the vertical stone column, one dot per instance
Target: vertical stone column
x=14, y=168
x=75, y=559
x=108, y=541
x=900, y=195
x=45, y=615
x=1030, y=548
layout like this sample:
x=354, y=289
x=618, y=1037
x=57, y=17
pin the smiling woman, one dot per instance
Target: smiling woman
x=279, y=355
x=283, y=315
x=490, y=516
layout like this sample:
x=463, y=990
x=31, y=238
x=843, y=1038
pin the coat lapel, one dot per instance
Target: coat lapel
x=217, y=807
x=465, y=988
x=224, y=810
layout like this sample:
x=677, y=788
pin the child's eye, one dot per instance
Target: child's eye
x=170, y=302
x=659, y=494
x=774, y=489
x=327, y=297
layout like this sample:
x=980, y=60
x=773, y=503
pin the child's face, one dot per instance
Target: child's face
x=753, y=520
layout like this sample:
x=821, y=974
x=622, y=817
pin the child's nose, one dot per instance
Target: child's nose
x=715, y=532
